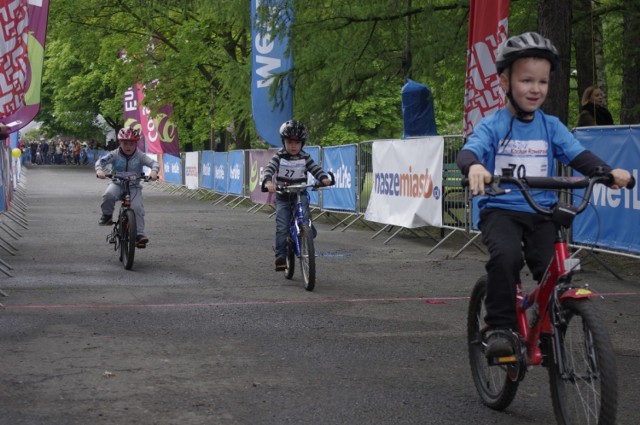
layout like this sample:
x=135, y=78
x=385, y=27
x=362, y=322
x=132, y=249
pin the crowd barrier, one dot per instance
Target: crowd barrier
x=235, y=177
x=385, y=185
x=12, y=206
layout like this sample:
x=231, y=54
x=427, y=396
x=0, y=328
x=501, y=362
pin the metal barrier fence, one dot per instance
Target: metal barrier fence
x=457, y=210
x=455, y=206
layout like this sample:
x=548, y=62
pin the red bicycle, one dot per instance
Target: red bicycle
x=560, y=328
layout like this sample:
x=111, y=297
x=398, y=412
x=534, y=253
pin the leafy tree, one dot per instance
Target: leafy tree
x=630, y=113
x=351, y=61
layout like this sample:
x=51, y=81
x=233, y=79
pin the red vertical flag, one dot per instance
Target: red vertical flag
x=23, y=29
x=488, y=24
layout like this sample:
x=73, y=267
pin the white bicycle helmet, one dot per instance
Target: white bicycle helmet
x=529, y=44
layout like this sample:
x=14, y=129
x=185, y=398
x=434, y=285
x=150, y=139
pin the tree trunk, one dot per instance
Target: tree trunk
x=587, y=35
x=630, y=113
x=554, y=22
x=407, y=61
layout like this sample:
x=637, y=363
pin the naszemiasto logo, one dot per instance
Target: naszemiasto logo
x=408, y=185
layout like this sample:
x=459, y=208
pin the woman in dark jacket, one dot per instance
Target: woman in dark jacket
x=593, y=111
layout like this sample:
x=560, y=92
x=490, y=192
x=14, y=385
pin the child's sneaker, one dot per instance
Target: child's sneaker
x=105, y=220
x=281, y=264
x=141, y=241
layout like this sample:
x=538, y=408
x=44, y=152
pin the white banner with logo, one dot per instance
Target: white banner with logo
x=191, y=170
x=407, y=181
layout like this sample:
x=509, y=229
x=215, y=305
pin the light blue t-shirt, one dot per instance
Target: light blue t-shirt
x=529, y=148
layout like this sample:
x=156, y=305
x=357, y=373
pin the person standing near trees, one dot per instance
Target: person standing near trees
x=593, y=111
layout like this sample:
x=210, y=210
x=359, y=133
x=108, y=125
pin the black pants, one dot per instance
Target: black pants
x=507, y=235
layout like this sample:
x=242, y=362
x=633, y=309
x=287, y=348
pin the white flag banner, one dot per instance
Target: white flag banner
x=191, y=170
x=407, y=182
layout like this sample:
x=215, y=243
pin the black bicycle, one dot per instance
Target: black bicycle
x=124, y=233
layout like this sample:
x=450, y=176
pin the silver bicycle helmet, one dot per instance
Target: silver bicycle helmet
x=529, y=44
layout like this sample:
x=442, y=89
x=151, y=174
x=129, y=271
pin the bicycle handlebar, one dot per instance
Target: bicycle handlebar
x=300, y=187
x=127, y=176
x=525, y=184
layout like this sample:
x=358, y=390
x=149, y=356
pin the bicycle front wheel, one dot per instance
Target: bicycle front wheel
x=493, y=383
x=291, y=259
x=583, y=378
x=128, y=235
x=307, y=257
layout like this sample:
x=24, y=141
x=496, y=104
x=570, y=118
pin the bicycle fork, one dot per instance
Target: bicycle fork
x=296, y=220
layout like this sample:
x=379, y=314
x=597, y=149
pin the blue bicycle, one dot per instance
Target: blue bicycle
x=301, y=234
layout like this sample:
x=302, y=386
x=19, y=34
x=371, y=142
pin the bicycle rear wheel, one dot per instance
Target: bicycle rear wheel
x=496, y=389
x=128, y=235
x=583, y=379
x=291, y=259
x=307, y=257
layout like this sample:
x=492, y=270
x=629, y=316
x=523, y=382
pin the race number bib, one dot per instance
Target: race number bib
x=525, y=158
x=292, y=169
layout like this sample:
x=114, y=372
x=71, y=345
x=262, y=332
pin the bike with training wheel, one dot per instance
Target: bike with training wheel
x=559, y=325
x=124, y=232
x=301, y=233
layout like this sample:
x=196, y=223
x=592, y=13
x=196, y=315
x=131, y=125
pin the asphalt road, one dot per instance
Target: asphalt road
x=203, y=331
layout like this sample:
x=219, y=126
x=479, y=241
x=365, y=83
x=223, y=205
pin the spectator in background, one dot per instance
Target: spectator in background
x=593, y=111
x=44, y=150
x=34, y=151
x=76, y=152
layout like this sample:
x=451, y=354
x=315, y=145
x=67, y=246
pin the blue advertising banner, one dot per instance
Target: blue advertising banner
x=172, y=168
x=235, y=172
x=269, y=57
x=601, y=223
x=341, y=161
x=314, y=196
x=206, y=178
x=220, y=172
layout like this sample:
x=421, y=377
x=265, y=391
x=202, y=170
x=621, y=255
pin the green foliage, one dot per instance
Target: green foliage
x=351, y=61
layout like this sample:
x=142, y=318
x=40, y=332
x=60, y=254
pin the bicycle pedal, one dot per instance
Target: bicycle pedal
x=494, y=361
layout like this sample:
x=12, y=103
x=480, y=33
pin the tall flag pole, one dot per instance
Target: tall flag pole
x=269, y=58
x=488, y=27
x=23, y=33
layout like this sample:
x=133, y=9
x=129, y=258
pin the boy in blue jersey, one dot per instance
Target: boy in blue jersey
x=126, y=158
x=523, y=138
x=290, y=165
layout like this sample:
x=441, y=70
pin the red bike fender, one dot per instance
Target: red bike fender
x=577, y=293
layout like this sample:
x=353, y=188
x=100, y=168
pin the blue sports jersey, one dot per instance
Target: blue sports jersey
x=529, y=148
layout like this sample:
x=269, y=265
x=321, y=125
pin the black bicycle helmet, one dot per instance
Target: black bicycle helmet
x=527, y=45
x=294, y=130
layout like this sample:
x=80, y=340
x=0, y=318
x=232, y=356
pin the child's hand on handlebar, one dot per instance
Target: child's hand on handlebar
x=153, y=175
x=621, y=178
x=478, y=176
x=271, y=187
x=326, y=182
x=101, y=175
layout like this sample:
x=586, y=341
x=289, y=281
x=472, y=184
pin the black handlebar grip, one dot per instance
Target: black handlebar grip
x=632, y=183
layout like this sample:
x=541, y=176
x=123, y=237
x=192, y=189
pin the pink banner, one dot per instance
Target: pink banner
x=258, y=160
x=158, y=134
x=488, y=25
x=24, y=28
